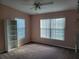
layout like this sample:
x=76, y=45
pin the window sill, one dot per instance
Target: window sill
x=51, y=39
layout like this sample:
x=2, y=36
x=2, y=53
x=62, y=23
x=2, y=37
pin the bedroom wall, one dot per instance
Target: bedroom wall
x=70, y=31
x=7, y=13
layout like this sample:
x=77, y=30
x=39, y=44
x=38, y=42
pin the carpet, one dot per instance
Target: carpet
x=39, y=51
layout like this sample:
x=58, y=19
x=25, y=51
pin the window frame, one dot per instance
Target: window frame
x=50, y=29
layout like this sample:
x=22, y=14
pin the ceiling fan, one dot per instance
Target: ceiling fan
x=37, y=5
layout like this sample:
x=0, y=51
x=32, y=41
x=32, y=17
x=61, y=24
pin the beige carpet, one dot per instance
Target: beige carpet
x=39, y=51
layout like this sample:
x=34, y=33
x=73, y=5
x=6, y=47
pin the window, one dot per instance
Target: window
x=20, y=28
x=52, y=28
x=45, y=28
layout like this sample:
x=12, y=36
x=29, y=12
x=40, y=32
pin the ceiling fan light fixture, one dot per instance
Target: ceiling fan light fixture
x=37, y=5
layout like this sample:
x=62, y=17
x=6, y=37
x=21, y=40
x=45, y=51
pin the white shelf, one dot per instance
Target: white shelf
x=12, y=38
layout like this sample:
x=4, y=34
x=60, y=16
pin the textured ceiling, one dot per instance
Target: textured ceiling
x=26, y=5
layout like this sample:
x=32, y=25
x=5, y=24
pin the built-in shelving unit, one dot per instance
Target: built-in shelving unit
x=12, y=34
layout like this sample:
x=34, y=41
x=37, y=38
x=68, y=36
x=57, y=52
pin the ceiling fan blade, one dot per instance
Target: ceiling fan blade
x=46, y=3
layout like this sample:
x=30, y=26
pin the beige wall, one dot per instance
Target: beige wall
x=7, y=13
x=70, y=31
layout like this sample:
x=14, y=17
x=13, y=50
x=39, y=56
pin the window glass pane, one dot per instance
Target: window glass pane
x=20, y=23
x=53, y=33
x=45, y=23
x=48, y=33
x=44, y=26
x=57, y=28
x=53, y=23
x=60, y=23
x=20, y=28
x=59, y=34
x=43, y=33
